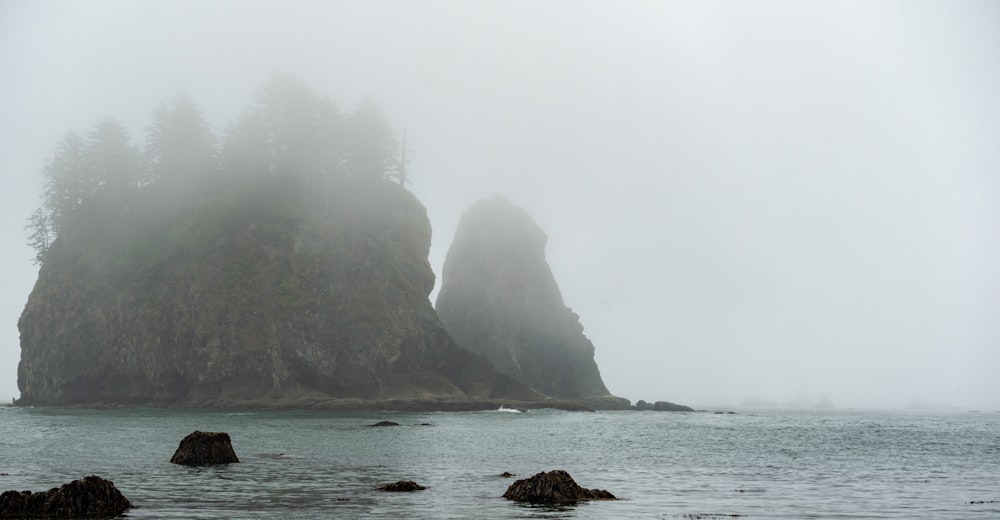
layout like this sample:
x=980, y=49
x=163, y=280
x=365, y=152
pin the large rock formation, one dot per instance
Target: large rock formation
x=499, y=298
x=246, y=296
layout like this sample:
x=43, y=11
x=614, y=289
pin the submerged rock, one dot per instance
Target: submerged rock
x=90, y=496
x=554, y=486
x=403, y=485
x=200, y=448
x=384, y=423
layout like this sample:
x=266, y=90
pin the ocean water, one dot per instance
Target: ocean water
x=296, y=464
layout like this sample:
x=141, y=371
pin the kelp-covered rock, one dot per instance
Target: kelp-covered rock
x=248, y=296
x=87, y=497
x=500, y=299
x=201, y=448
x=554, y=486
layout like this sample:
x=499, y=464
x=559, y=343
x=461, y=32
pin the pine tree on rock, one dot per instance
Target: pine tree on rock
x=180, y=147
x=371, y=151
x=114, y=163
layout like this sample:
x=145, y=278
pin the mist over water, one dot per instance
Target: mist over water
x=779, y=200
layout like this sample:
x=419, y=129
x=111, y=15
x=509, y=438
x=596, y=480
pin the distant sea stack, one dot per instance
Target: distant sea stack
x=246, y=296
x=500, y=299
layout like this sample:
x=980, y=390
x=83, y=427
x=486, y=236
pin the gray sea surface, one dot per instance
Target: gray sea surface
x=299, y=464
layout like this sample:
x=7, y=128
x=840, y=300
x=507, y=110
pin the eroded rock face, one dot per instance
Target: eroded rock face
x=201, y=448
x=554, y=486
x=87, y=497
x=500, y=299
x=244, y=298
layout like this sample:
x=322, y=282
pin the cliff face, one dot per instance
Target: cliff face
x=246, y=298
x=499, y=298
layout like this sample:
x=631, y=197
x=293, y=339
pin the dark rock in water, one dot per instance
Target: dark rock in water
x=200, y=448
x=90, y=496
x=661, y=406
x=385, y=423
x=500, y=299
x=554, y=486
x=667, y=406
x=506, y=474
x=403, y=485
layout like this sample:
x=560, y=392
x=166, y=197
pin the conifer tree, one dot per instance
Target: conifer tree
x=371, y=148
x=246, y=148
x=112, y=160
x=179, y=144
x=67, y=181
x=40, y=227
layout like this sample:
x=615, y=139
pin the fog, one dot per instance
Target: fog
x=774, y=199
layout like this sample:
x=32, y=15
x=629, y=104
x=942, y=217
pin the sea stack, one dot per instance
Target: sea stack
x=247, y=296
x=500, y=299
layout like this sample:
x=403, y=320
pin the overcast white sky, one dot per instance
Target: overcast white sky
x=777, y=199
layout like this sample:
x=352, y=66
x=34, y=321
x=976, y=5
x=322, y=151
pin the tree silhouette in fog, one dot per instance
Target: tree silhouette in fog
x=289, y=134
x=113, y=163
x=179, y=144
x=371, y=151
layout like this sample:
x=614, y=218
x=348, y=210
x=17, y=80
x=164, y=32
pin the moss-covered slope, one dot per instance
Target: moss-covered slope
x=499, y=298
x=248, y=296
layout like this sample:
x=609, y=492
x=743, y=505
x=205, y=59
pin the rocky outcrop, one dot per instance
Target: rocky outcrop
x=499, y=298
x=554, y=486
x=402, y=486
x=661, y=406
x=247, y=297
x=667, y=406
x=87, y=497
x=201, y=448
